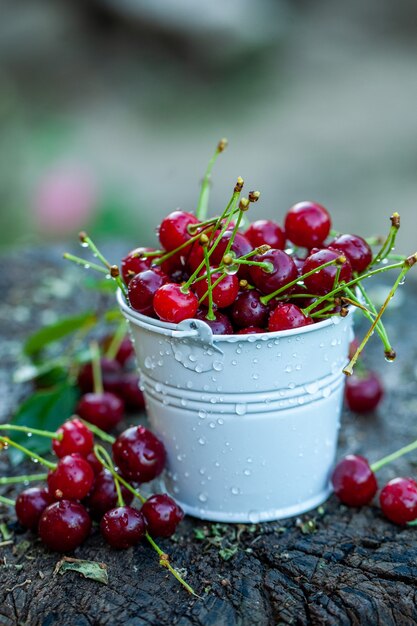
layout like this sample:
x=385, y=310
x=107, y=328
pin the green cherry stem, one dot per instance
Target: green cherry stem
x=408, y=264
x=8, y=442
x=100, y=433
x=210, y=315
x=103, y=454
x=216, y=282
x=7, y=501
x=88, y=265
x=116, y=341
x=32, y=431
x=25, y=478
x=394, y=456
x=389, y=242
x=370, y=315
x=187, y=243
x=113, y=270
x=105, y=460
x=202, y=204
x=97, y=375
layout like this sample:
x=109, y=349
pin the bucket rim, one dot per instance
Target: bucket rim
x=140, y=319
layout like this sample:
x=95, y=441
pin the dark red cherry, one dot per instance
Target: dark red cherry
x=286, y=316
x=248, y=310
x=162, y=515
x=139, y=454
x=307, y=224
x=103, y=495
x=224, y=293
x=283, y=270
x=104, y=410
x=219, y=326
x=363, y=393
x=72, y=478
x=398, y=500
x=266, y=232
x=130, y=393
x=173, y=231
x=111, y=372
x=125, y=351
x=239, y=247
x=96, y=466
x=143, y=287
x=135, y=262
x=322, y=281
x=172, y=305
x=76, y=437
x=123, y=527
x=64, y=525
x=250, y=330
x=353, y=481
x=30, y=505
x=356, y=250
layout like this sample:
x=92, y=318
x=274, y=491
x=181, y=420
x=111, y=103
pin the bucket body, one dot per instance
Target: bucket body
x=250, y=422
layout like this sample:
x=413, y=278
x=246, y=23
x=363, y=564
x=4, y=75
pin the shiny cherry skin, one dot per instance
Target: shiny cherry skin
x=123, y=527
x=248, y=310
x=239, y=247
x=64, y=525
x=283, y=271
x=125, y=351
x=104, y=410
x=172, y=305
x=363, y=393
x=398, y=500
x=355, y=249
x=72, y=478
x=224, y=293
x=130, y=393
x=322, y=282
x=95, y=464
x=30, y=505
x=76, y=437
x=353, y=481
x=219, y=326
x=307, y=224
x=103, y=495
x=111, y=372
x=143, y=287
x=173, y=231
x=250, y=330
x=286, y=316
x=267, y=232
x=162, y=515
x=139, y=454
x=134, y=262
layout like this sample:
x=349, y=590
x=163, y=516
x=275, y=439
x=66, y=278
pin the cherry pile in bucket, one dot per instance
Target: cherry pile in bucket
x=242, y=274
x=89, y=485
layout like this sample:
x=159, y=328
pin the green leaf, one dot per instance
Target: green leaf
x=89, y=569
x=46, y=410
x=56, y=331
x=227, y=553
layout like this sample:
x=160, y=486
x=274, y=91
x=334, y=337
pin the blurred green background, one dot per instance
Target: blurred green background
x=110, y=110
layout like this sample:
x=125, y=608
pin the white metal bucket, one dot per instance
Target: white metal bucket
x=250, y=422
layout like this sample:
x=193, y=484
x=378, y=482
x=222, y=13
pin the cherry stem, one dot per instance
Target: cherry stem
x=7, y=501
x=210, y=315
x=95, y=362
x=108, y=464
x=234, y=231
x=375, y=467
x=26, y=478
x=408, y=263
x=116, y=341
x=32, y=431
x=265, y=265
x=216, y=282
x=329, y=307
x=100, y=452
x=100, y=433
x=86, y=241
x=8, y=442
x=202, y=204
x=380, y=329
x=86, y=264
x=389, y=242
x=187, y=243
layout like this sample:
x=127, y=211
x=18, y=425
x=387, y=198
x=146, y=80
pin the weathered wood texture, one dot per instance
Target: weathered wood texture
x=354, y=568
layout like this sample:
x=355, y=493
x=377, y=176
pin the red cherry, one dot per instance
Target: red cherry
x=250, y=330
x=363, y=393
x=266, y=232
x=239, y=247
x=72, y=478
x=173, y=231
x=356, y=250
x=219, y=326
x=248, y=310
x=103, y=495
x=322, y=281
x=286, y=316
x=139, y=455
x=96, y=466
x=143, y=287
x=172, y=305
x=162, y=515
x=283, y=270
x=125, y=351
x=353, y=481
x=123, y=527
x=130, y=393
x=64, y=525
x=398, y=500
x=307, y=224
x=104, y=410
x=224, y=293
x=111, y=372
x=30, y=505
x=76, y=437
x=135, y=262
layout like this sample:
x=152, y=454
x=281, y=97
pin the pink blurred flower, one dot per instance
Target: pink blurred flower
x=64, y=201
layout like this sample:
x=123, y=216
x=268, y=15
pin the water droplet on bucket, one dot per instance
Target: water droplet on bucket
x=253, y=517
x=235, y=491
x=240, y=409
x=218, y=366
x=312, y=388
x=202, y=441
x=202, y=497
